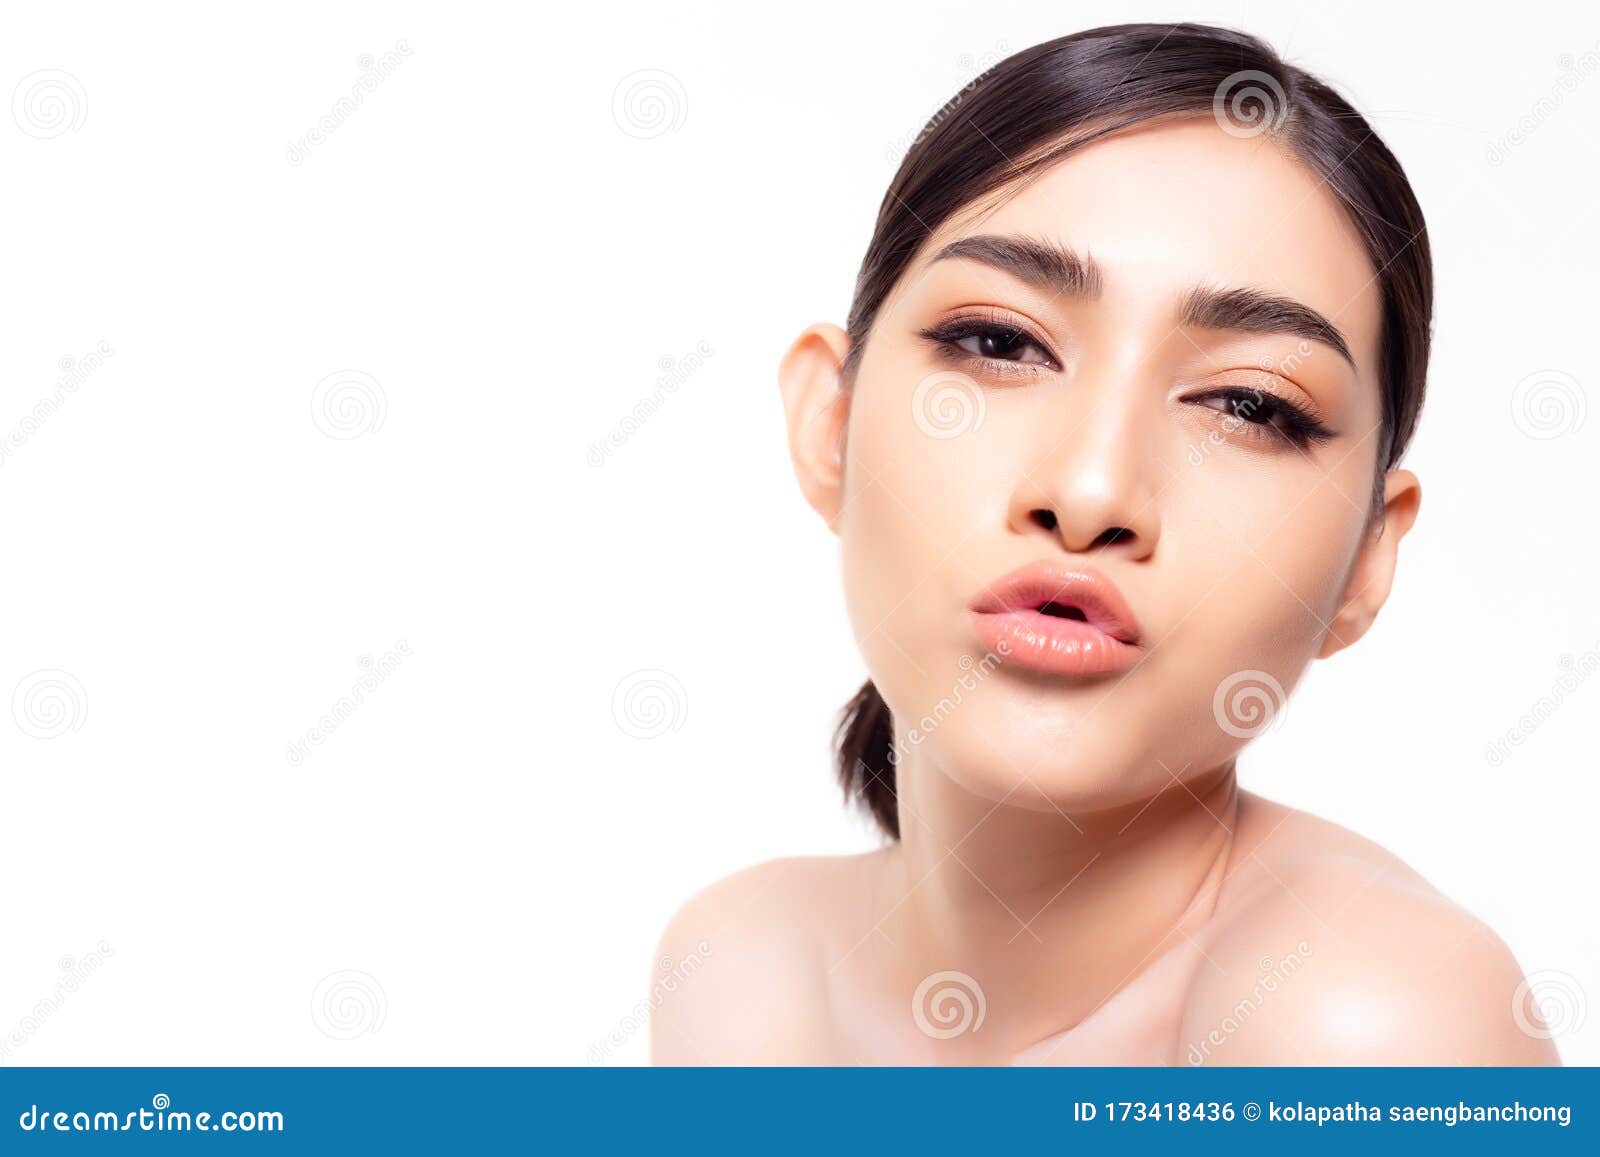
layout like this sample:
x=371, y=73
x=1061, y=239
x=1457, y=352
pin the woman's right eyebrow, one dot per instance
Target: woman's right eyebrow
x=1046, y=265
x=1052, y=268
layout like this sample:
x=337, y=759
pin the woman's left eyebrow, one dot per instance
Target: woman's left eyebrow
x=1256, y=311
x=1055, y=269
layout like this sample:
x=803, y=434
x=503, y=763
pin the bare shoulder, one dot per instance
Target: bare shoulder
x=757, y=990
x=1328, y=949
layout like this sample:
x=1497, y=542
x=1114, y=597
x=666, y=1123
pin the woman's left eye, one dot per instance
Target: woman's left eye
x=1256, y=411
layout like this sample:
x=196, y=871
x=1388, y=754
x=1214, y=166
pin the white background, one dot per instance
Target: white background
x=511, y=248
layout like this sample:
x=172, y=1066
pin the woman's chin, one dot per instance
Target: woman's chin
x=1045, y=770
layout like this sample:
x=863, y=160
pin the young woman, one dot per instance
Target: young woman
x=1110, y=444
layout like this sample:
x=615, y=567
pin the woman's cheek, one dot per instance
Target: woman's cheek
x=920, y=512
x=1253, y=594
x=1294, y=533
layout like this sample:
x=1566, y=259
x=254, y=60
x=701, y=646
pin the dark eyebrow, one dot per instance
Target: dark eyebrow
x=1057, y=270
x=1252, y=311
x=1044, y=265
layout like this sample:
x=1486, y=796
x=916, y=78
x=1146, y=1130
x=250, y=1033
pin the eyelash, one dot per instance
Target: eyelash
x=1299, y=426
x=949, y=335
x=1260, y=413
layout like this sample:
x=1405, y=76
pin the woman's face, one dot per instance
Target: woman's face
x=1212, y=460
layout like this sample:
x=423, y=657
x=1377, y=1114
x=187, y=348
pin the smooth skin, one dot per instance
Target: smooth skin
x=1078, y=850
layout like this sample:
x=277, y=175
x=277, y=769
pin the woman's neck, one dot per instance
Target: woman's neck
x=1051, y=911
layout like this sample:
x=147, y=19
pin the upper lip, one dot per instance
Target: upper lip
x=1037, y=584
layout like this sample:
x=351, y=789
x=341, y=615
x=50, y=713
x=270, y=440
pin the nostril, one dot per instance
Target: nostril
x=1111, y=535
x=1043, y=518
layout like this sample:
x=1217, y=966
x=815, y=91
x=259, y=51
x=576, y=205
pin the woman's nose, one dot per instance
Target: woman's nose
x=1092, y=479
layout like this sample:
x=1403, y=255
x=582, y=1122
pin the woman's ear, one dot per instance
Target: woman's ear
x=1373, y=573
x=817, y=408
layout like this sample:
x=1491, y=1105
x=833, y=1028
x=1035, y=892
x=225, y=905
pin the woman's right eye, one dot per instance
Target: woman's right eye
x=1005, y=345
x=992, y=342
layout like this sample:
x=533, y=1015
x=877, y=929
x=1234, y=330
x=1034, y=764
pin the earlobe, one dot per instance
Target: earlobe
x=817, y=409
x=1372, y=576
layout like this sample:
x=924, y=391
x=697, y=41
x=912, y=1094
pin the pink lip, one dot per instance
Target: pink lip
x=1100, y=637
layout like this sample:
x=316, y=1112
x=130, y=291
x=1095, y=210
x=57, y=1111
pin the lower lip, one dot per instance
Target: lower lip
x=1053, y=646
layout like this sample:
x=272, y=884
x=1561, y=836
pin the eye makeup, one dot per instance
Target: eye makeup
x=1259, y=413
x=997, y=344
x=993, y=342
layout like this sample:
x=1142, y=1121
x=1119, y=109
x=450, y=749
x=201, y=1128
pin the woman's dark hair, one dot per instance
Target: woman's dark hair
x=1038, y=105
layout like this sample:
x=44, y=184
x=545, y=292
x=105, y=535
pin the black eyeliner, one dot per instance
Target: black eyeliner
x=1302, y=428
x=948, y=334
